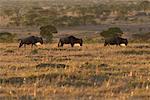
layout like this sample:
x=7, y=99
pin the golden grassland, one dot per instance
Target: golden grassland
x=88, y=73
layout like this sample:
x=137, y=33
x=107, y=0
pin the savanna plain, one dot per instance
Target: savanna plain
x=89, y=72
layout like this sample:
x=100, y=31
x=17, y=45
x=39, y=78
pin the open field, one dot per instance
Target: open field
x=88, y=73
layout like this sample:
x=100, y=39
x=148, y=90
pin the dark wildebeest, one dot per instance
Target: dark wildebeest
x=30, y=40
x=115, y=41
x=70, y=40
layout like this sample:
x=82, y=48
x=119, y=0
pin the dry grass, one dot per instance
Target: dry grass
x=92, y=72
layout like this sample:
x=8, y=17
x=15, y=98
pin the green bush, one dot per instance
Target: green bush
x=6, y=37
x=35, y=51
x=111, y=32
x=47, y=32
x=48, y=28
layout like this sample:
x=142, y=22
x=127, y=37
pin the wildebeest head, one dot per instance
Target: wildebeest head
x=80, y=42
x=125, y=41
x=39, y=39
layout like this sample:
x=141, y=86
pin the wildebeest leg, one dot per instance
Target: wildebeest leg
x=59, y=44
x=20, y=45
x=120, y=45
x=72, y=44
x=105, y=44
x=62, y=44
x=32, y=45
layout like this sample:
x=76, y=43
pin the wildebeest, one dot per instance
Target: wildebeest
x=30, y=40
x=115, y=41
x=70, y=40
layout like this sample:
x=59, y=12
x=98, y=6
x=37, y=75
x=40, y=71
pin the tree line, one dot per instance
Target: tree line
x=20, y=14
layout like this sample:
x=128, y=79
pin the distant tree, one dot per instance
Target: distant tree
x=47, y=32
x=54, y=15
x=144, y=5
x=39, y=17
x=6, y=37
x=84, y=14
x=14, y=12
x=111, y=32
x=43, y=20
x=30, y=17
x=6, y=12
x=101, y=9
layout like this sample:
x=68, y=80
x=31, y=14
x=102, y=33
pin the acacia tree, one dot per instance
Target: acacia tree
x=112, y=32
x=18, y=15
x=47, y=32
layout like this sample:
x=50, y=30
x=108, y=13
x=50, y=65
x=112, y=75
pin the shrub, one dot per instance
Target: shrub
x=51, y=65
x=143, y=37
x=47, y=32
x=111, y=32
x=47, y=36
x=6, y=37
x=34, y=51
